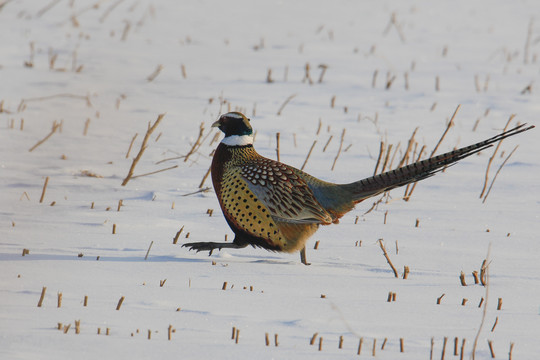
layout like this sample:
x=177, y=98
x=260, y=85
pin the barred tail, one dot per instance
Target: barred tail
x=389, y=180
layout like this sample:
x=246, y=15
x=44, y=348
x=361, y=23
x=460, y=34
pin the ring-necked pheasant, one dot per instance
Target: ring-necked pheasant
x=278, y=207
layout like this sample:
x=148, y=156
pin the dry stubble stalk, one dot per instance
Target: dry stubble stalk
x=277, y=146
x=148, y=251
x=388, y=258
x=54, y=128
x=197, y=143
x=490, y=343
x=143, y=147
x=42, y=297
x=131, y=144
x=462, y=279
x=120, y=303
x=175, y=240
x=308, y=155
x=327, y=143
x=155, y=172
x=158, y=69
x=339, y=150
x=497, y=173
x=44, y=189
x=485, y=271
x=381, y=151
x=410, y=145
x=439, y=299
x=475, y=276
x=285, y=103
x=445, y=340
x=205, y=177
x=493, y=157
x=405, y=272
x=448, y=126
x=387, y=157
x=495, y=323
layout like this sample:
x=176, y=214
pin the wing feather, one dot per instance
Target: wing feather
x=287, y=196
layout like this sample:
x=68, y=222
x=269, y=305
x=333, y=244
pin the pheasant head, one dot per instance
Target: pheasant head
x=236, y=128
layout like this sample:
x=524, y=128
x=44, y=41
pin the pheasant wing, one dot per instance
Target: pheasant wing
x=285, y=194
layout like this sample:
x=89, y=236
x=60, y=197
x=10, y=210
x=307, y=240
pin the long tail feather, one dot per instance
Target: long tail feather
x=422, y=169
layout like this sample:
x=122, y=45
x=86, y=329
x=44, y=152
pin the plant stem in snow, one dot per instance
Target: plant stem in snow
x=484, y=312
x=143, y=147
x=388, y=258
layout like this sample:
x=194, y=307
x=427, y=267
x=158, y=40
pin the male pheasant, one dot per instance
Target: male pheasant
x=278, y=207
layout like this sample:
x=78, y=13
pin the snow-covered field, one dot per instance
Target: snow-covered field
x=103, y=70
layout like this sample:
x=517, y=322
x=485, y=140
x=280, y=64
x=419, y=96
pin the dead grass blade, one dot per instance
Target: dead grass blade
x=143, y=147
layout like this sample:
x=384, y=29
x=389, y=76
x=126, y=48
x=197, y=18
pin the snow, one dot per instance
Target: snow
x=92, y=60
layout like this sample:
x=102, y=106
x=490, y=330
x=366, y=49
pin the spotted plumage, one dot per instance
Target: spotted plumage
x=278, y=207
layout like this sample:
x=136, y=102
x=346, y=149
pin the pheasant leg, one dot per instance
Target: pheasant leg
x=210, y=246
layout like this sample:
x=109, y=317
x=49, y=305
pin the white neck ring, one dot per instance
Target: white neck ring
x=238, y=140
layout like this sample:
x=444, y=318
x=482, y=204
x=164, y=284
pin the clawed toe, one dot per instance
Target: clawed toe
x=201, y=246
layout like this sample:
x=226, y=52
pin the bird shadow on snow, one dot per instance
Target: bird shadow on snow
x=283, y=260
x=224, y=256
x=255, y=259
x=188, y=258
x=102, y=258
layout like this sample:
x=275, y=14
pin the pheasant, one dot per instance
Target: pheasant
x=277, y=207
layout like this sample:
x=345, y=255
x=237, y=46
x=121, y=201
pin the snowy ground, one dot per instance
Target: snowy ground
x=88, y=62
